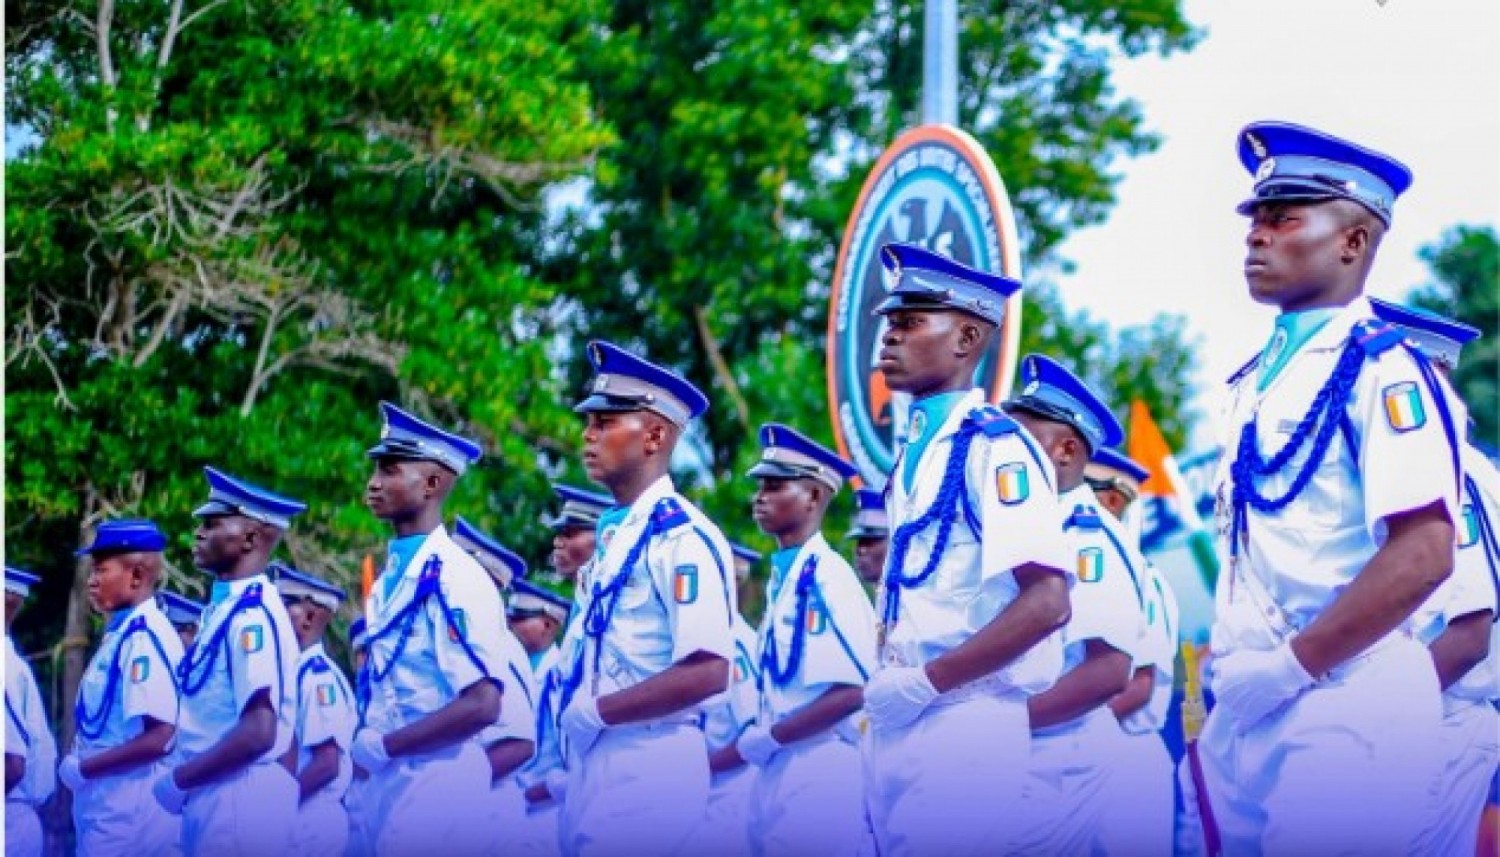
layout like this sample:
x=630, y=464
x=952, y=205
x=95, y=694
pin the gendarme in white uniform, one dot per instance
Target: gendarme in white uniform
x=245, y=645
x=131, y=677
x=1074, y=763
x=725, y=828
x=643, y=787
x=325, y=712
x=935, y=783
x=818, y=633
x=1347, y=762
x=435, y=631
x=27, y=733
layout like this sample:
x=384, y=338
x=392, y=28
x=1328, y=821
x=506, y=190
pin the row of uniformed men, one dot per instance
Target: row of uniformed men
x=974, y=712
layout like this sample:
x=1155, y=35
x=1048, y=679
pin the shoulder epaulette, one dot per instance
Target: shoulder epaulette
x=318, y=664
x=1376, y=337
x=432, y=573
x=668, y=515
x=1484, y=449
x=992, y=422
x=1243, y=370
x=1083, y=518
x=251, y=596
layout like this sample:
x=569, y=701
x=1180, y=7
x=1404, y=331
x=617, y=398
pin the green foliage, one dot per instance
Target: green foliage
x=1465, y=265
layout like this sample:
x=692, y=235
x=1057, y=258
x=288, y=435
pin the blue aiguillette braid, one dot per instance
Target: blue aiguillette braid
x=195, y=669
x=91, y=724
x=943, y=512
x=1365, y=340
x=401, y=623
x=769, y=658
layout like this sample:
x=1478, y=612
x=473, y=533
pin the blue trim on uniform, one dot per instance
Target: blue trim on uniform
x=91, y=725
x=1488, y=541
x=15, y=719
x=249, y=599
x=723, y=576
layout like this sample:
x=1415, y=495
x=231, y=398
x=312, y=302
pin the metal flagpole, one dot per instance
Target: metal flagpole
x=940, y=63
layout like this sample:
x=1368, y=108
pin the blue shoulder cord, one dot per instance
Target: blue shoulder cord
x=601, y=611
x=1330, y=402
x=428, y=585
x=544, y=722
x=943, y=512
x=770, y=658
x=1489, y=543
x=91, y=725
x=190, y=686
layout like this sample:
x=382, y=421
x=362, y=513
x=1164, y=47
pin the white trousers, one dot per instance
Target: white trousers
x=508, y=830
x=251, y=812
x=23, y=830
x=542, y=838
x=1138, y=804
x=361, y=840
x=1470, y=753
x=322, y=827
x=118, y=815
x=810, y=799
x=950, y=783
x=1342, y=770
x=436, y=804
x=1068, y=783
x=725, y=829
x=639, y=790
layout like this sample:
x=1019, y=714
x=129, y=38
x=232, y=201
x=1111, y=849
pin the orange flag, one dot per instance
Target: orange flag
x=366, y=577
x=1149, y=449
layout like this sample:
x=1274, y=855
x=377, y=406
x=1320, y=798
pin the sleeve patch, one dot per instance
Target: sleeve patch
x=140, y=669
x=458, y=625
x=685, y=584
x=1013, y=483
x=816, y=619
x=253, y=639
x=1091, y=565
x=1404, y=411
x=1468, y=527
x=327, y=695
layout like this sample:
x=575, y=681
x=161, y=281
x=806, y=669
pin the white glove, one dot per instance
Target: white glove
x=169, y=794
x=369, y=751
x=556, y=783
x=1251, y=685
x=581, y=722
x=896, y=696
x=757, y=746
x=71, y=773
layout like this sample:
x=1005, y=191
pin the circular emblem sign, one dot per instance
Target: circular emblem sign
x=934, y=187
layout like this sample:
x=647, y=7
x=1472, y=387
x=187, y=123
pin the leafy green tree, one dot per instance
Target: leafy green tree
x=1465, y=265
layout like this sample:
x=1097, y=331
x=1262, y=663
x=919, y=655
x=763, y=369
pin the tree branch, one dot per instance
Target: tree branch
x=721, y=367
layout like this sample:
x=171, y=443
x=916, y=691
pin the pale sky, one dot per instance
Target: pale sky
x=1417, y=79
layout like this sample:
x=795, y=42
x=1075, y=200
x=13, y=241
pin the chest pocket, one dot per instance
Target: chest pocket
x=1329, y=498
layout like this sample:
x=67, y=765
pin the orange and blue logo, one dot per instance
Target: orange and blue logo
x=816, y=619
x=1012, y=483
x=253, y=639
x=741, y=669
x=327, y=695
x=685, y=584
x=140, y=670
x=1403, y=406
x=1468, y=527
x=1091, y=565
x=458, y=625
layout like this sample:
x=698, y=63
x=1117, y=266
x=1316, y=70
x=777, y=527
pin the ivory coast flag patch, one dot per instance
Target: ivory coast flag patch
x=1468, y=527
x=1012, y=483
x=253, y=639
x=816, y=620
x=741, y=669
x=140, y=670
x=458, y=625
x=1403, y=406
x=685, y=584
x=327, y=695
x=1090, y=565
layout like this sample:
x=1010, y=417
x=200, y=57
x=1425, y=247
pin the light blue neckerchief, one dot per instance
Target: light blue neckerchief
x=608, y=518
x=401, y=552
x=927, y=416
x=781, y=563
x=535, y=658
x=1293, y=330
x=219, y=592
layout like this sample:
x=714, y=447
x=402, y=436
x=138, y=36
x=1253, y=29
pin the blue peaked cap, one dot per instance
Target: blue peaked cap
x=927, y=280
x=741, y=552
x=300, y=584
x=502, y=563
x=125, y=536
x=1113, y=459
x=403, y=435
x=180, y=609
x=1292, y=163
x=870, y=518
x=1442, y=339
x=788, y=454
x=624, y=382
x=580, y=508
x=20, y=582
x=357, y=633
x=529, y=600
x=228, y=495
x=1053, y=393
